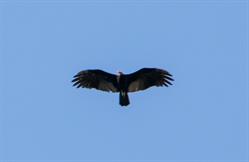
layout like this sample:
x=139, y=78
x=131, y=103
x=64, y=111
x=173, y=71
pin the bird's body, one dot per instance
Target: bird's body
x=123, y=89
x=122, y=83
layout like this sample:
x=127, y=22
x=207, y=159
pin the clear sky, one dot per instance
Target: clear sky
x=203, y=116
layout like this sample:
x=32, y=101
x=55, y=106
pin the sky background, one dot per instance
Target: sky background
x=203, y=116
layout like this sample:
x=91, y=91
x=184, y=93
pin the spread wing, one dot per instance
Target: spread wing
x=97, y=79
x=148, y=77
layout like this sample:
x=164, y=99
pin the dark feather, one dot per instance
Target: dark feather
x=97, y=79
x=148, y=77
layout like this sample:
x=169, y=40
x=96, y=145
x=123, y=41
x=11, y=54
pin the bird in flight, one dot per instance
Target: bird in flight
x=122, y=83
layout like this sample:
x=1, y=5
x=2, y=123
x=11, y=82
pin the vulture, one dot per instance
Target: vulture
x=122, y=83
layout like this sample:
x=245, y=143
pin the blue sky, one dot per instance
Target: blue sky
x=203, y=116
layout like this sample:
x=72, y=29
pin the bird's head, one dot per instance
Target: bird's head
x=120, y=73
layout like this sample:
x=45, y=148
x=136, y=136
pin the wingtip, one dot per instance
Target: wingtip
x=77, y=75
x=165, y=72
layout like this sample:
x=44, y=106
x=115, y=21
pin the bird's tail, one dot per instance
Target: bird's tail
x=124, y=99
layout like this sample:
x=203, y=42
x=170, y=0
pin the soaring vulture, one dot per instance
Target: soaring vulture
x=122, y=83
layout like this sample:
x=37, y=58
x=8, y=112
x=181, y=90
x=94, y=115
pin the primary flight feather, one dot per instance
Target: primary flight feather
x=123, y=83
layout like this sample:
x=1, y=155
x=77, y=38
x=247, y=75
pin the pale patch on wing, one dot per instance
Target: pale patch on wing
x=106, y=86
x=136, y=86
